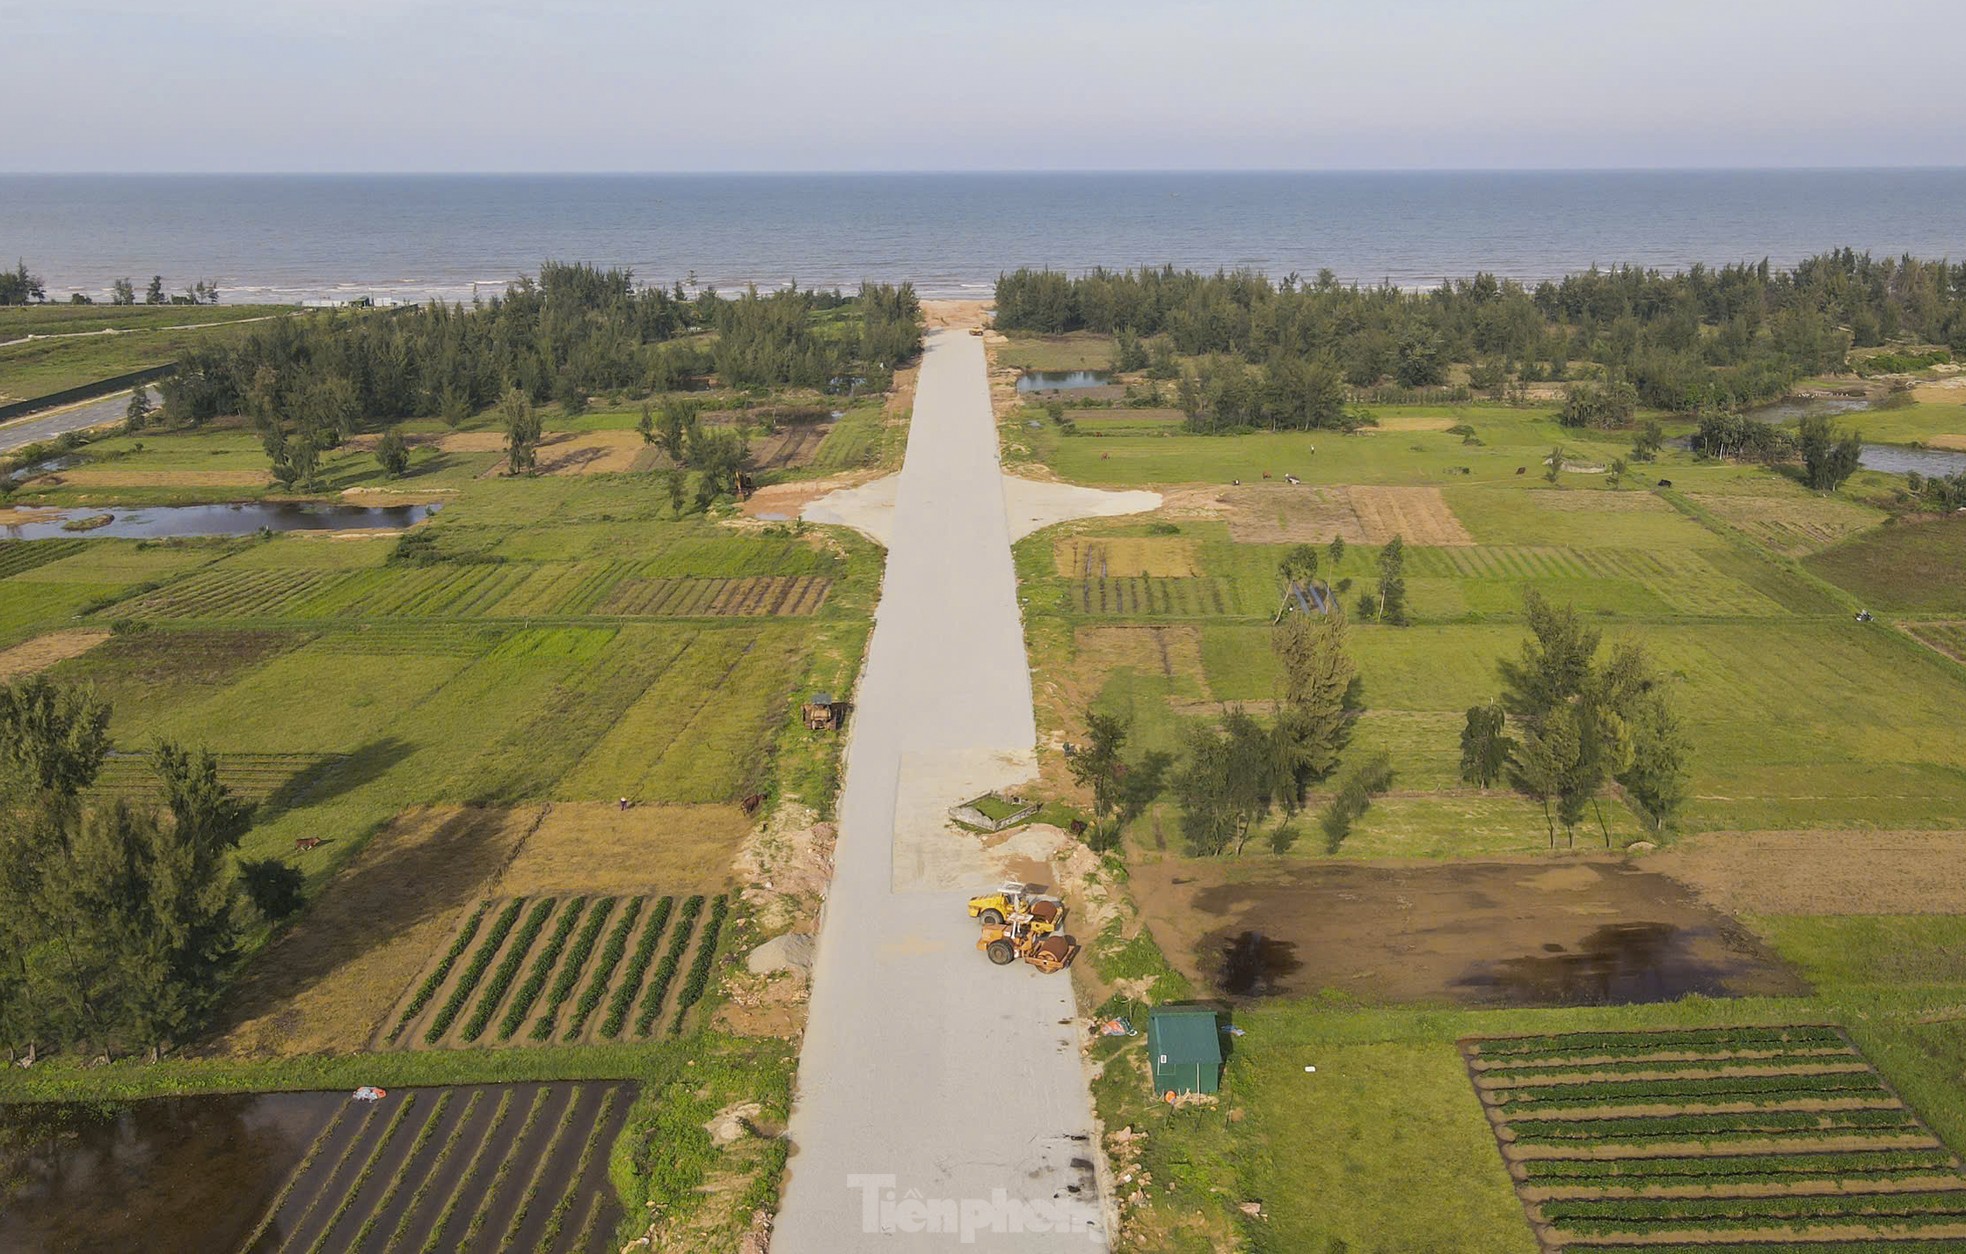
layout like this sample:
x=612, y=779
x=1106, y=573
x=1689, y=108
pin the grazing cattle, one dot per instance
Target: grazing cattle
x=1292, y=479
x=1665, y=483
x=1266, y=474
x=1522, y=470
x=305, y=843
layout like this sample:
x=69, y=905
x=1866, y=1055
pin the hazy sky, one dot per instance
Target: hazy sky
x=658, y=85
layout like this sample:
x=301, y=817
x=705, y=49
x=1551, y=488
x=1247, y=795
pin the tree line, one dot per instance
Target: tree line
x=576, y=330
x=1701, y=338
x=19, y=286
x=119, y=920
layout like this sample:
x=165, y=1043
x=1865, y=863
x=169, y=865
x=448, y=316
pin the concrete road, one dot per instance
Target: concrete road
x=44, y=427
x=942, y=1104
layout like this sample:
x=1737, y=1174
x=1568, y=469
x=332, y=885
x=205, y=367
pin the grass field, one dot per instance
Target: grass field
x=82, y=343
x=1913, y=567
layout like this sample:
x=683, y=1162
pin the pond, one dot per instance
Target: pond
x=454, y=1168
x=156, y=522
x=165, y=1174
x=1063, y=380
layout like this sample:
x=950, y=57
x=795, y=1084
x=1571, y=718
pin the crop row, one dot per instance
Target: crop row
x=555, y=963
x=475, y=971
x=18, y=556
x=1700, y=1127
x=508, y=970
x=597, y=984
x=638, y=964
x=665, y=971
x=736, y=557
x=569, y=976
x=1631, y=1045
x=499, y=1115
x=1659, y=1067
x=1708, y=1168
x=716, y=598
x=562, y=588
x=699, y=969
x=528, y=993
x=235, y=593
x=432, y=982
x=1812, y=1206
x=1719, y=1089
x=1179, y=597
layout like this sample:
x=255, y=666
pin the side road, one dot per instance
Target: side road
x=941, y=1101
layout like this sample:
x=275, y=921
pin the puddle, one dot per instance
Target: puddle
x=1616, y=965
x=46, y=466
x=164, y=1174
x=1062, y=380
x=245, y=518
x=1254, y=965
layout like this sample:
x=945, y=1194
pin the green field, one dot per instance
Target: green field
x=79, y=344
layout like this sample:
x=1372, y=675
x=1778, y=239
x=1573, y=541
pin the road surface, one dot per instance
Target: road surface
x=937, y=1092
x=43, y=428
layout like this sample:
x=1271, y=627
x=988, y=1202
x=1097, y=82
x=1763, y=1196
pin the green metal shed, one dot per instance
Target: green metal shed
x=1185, y=1049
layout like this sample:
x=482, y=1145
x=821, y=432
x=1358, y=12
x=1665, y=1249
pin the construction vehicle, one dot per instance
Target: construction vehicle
x=1003, y=943
x=1012, y=898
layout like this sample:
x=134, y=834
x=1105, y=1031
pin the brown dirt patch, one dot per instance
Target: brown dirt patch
x=326, y=985
x=1511, y=933
x=590, y=453
x=781, y=501
x=959, y=314
x=473, y=442
x=1274, y=513
x=1956, y=442
x=1126, y=557
x=1822, y=872
x=596, y=847
x=1410, y=424
x=34, y=656
x=788, y=448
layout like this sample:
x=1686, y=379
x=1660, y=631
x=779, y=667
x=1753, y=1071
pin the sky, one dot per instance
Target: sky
x=726, y=85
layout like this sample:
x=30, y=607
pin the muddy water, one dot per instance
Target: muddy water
x=167, y=1174
x=1062, y=380
x=1506, y=933
x=156, y=522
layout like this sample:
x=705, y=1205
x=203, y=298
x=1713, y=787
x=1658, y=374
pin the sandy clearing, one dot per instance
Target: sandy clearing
x=472, y=442
x=1275, y=513
x=779, y=502
x=36, y=655
x=958, y=314
x=867, y=508
x=1822, y=872
x=1957, y=442
x=597, y=847
x=1410, y=424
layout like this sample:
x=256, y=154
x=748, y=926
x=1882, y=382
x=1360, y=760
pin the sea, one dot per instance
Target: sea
x=290, y=238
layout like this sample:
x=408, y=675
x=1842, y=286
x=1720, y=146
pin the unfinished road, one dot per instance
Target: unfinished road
x=941, y=1100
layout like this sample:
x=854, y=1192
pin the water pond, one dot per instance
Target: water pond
x=1063, y=380
x=157, y=522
